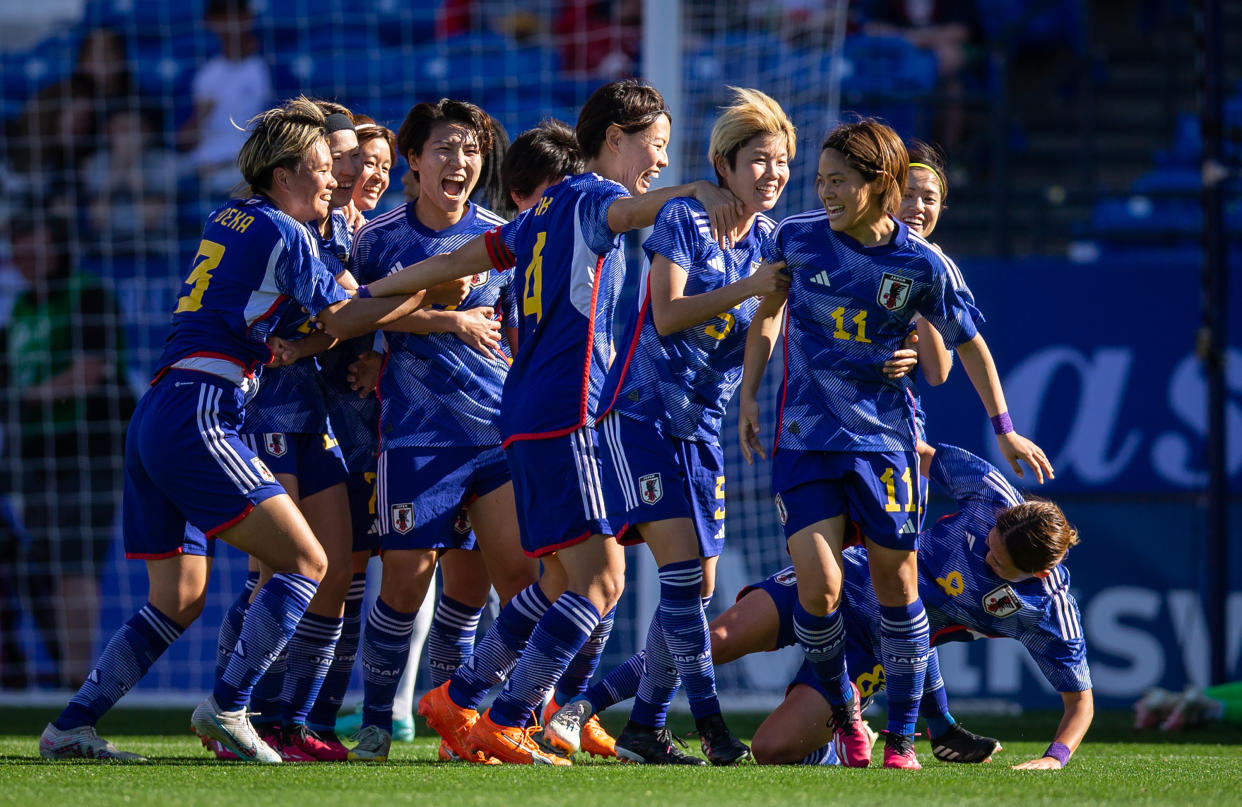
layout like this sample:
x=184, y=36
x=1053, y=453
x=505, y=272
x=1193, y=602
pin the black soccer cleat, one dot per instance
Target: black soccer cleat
x=959, y=745
x=719, y=744
x=647, y=746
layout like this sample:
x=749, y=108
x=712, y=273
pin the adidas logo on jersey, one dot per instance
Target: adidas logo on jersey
x=908, y=528
x=821, y=279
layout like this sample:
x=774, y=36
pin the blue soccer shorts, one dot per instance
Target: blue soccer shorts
x=315, y=460
x=558, y=488
x=420, y=493
x=650, y=476
x=782, y=587
x=184, y=462
x=879, y=490
x=361, y=488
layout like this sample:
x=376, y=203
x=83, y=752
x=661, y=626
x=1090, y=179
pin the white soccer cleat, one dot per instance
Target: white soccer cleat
x=81, y=743
x=233, y=730
x=562, y=733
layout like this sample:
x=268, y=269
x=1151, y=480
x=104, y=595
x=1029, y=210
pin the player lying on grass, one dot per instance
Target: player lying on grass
x=975, y=583
x=991, y=570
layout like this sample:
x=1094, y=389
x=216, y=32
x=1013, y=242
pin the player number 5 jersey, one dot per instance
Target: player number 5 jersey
x=683, y=381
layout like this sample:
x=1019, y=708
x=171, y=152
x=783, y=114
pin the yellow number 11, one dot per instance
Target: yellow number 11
x=888, y=478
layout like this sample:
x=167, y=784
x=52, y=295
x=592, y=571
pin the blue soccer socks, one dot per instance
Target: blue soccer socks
x=498, y=652
x=451, y=640
x=822, y=638
x=385, y=653
x=270, y=621
x=903, y=652
x=124, y=661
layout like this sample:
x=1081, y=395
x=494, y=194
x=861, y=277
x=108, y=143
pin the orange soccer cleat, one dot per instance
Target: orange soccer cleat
x=509, y=744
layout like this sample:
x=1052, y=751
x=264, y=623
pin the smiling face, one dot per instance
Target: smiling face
x=640, y=155
x=306, y=194
x=853, y=205
x=760, y=172
x=373, y=180
x=448, y=169
x=921, y=201
x=346, y=164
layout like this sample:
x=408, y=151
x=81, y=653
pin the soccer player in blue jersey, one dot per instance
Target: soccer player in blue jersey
x=678, y=365
x=257, y=265
x=993, y=569
x=355, y=423
x=286, y=425
x=439, y=437
x=845, y=431
x=568, y=251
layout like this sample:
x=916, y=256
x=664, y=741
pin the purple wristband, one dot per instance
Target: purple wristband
x=1001, y=424
x=1060, y=752
x=365, y=294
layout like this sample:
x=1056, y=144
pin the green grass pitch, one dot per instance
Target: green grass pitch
x=1115, y=765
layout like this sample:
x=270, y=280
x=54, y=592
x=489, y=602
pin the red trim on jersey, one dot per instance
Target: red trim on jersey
x=154, y=555
x=586, y=365
x=379, y=424
x=949, y=630
x=498, y=251
x=248, y=369
x=513, y=438
x=780, y=410
x=634, y=540
x=548, y=550
x=233, y=522
x=629, y=353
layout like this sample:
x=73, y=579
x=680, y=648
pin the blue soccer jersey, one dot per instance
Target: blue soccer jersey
x=684, y=381
x=435, y=390
x=256, y=269
x=963, y=597
x=849, y=308
x=572, y=267
x=290, y=399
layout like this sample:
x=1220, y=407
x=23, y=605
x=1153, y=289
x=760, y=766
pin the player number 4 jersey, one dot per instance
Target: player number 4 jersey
x=570, y=267
x=849, y=308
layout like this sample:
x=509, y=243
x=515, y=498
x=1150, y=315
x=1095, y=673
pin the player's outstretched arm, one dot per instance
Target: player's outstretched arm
x=724, y=210
x=477, y=327
x=673, y=311
x=468, y=259
x=978, y=364
x=760, y=340
x=1079, y=711
x=356, y=316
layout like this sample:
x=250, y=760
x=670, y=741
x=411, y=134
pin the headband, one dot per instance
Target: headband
x=337, y=122
x=362, y=126
x=927, y=167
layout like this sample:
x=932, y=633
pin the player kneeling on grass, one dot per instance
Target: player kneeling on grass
x=993, y=569
x=257, y=266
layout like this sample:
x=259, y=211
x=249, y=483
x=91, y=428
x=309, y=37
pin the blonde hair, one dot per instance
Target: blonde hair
x=750, y=113
x=280, y=138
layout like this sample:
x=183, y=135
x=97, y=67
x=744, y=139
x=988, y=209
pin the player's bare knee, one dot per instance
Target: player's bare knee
x=612, y=584
x=767, y=748
x=311, y=562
